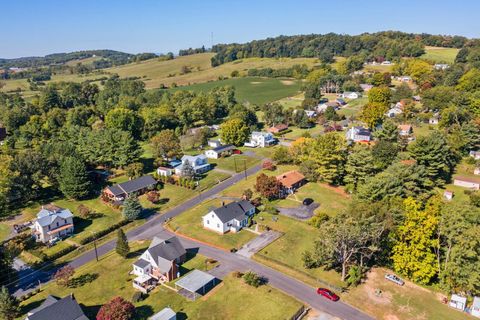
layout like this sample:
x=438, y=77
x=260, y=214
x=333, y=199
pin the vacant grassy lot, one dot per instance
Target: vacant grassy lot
x=354, y=107
x=235, y=163
x=298, y=132
x=438, y=54
x=190, y=224
x=252, y=89
x=111, y=278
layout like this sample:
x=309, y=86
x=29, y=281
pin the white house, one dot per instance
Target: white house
x=260, y=139
x=434, y=119
x=475, y=154
x=350, y=95
x=231, y=217
x=199, y=163
x=448, y=195
x=467, y=182
x=458, y=302
x=441, y=66
x=220, y=151
x=359, y=134
x=393, y=112
x=160, y=262
x=165, y=171
x=404, y=78
x=52, y=222
x=214, y=143
x=386, y=63
x=310, y=113
x=476, y=171
x=476, y=307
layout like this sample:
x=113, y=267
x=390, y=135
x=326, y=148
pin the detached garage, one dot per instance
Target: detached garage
x=195, y=284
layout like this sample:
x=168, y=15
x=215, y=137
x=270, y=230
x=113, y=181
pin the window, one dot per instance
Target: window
x=57, y=224
x=208, y=221
x=218, y=226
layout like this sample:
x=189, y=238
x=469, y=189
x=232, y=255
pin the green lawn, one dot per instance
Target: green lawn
x=170, y=196
x=228, y=300
x=438, y=54
x=252, y=89
x=190, y=224
x=235, y=163
x=4, y=231
x=354, y=107
x=211, y=179
x=296, y=133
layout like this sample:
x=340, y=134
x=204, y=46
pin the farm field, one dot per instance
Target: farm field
x=110, y=276
x=438, y=54
x=252, y=89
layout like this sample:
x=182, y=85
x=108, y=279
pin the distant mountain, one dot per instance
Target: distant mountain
x=114, y=57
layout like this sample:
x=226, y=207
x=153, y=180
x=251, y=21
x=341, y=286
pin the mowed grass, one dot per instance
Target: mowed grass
x=235, y=163
x=227, y=300
x=439, y=54
x=252, y=89
x=190, y=223
x=4, y=231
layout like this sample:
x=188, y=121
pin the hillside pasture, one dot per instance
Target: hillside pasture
x=438, y=54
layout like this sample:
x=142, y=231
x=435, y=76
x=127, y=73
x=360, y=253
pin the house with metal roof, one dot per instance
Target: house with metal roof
x=52, y=222
x=164, y=314
x=118, y=192
x=160, y=262
x=54, y=308
x=231, y=217
x=220, y=151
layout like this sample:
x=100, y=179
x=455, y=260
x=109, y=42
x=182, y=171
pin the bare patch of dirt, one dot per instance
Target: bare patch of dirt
x=255, y=82
x=287, y=82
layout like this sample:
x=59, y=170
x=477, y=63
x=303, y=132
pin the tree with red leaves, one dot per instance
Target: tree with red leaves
x=269, y=187
x=116, y=309
x=64, y=275
x=268, y=165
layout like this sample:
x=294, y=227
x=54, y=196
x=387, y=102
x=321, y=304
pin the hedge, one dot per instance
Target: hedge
x=103, y=232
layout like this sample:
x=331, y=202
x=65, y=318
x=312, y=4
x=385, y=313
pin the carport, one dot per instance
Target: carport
x=195, y=284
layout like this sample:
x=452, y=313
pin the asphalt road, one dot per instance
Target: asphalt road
x=229, y=261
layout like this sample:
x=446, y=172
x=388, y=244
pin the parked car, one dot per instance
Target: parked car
x=394, y=279
x=307, y=201
x=328, y=294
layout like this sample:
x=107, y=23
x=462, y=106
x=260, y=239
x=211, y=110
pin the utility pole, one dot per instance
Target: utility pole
x=245, y=167
x=95, y=245
x=235, y=161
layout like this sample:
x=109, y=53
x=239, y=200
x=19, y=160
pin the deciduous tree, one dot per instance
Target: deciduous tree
x=117, y=308
x=235, y=132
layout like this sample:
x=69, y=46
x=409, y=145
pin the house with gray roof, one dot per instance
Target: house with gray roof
x=164, y=314
x=160, y=262
x=220, y=151
x=52, y=222
x=231, y=217
x=54, y=308
x=118, y=192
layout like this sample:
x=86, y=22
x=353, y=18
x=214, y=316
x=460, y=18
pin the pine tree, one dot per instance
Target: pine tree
x=388, y=132
x=122, y=247
x=131, y=208
x=360, y=165
x=9, y=305
x=73, y=178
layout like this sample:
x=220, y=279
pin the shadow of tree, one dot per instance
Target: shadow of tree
x=91, y=311
x=143, y=312
x=82, y=280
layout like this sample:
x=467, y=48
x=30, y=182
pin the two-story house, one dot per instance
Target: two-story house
x=231, y=217
x=199, y=163
x=261, y=139
x=359, y=134
x=160, y=262
x=52, y=222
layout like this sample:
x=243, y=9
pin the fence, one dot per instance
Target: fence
x=300, y=313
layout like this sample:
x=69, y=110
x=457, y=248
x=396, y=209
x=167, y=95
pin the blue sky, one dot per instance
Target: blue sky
x=39, y=27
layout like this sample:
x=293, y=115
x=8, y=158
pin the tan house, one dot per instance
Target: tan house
x=52, y=222
x=291, y=181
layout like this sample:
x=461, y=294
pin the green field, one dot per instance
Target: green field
x=235, y=163
x=252, y=89
x=438, y=54
x=227, y=300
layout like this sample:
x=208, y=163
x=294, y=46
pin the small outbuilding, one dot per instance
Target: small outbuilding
x=475, y=310
x=195, y=284
x=165, y=314
x=448, y=195
x=458, y=302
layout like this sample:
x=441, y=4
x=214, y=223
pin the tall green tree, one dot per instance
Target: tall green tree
x=132, y=208
x=373, y=114
x=166, y=145
x=9, y=305
x=124, y=119
x=388, y=132
x=73, y=178
x=380, y=96
x=360, y=165
x=122, y=247
x=235, y=132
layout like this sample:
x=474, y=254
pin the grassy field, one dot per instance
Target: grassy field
x=252, y=89
x=111, y=278
x=190, y=224
x=438, y=54
x=234, y=163
x=353, y=108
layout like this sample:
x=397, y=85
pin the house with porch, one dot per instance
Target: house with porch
x=119, y=192
x=261, y=139
x=159, y=263
x=52, y=222
x=231, y=217
x=199, y=163
x=291, y=181
x=359, y=134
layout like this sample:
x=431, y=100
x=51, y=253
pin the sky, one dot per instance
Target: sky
x=40, y=27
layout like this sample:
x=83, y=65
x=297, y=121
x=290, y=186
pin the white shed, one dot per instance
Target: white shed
x=458, y=302
x=476, y=307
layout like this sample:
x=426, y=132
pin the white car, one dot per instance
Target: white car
x=394, y=279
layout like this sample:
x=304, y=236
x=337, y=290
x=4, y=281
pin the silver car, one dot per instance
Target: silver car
x=394, y=279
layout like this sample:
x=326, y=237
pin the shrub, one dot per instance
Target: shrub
x=64, y=275
x=137, y=297
x=153, y=196
x=237, y=274
x=253, y=279
x=83, y=211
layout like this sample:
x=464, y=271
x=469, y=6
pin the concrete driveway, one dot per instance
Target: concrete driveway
x=257, y=244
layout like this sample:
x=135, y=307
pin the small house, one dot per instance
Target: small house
x=221, y=151
x=164, y=314
x=476, y=171
x=291, y=181
x=458, y=302
x=441, y=66
x=159, y=263
x=54, y=308
x=448, y=195
x=417, y=98
x=405, y=130
x=350, y=95
x=165, y=171
x=386, y=63
x=434, y=119
x=393, y=112
x=359, y=134
x=199, y=164
x=231, y=217
x=404, y=78
x=118, y=192
x=475, y=310
x=467, y=182
x=475, y=154
x=52, y=222
x=366, y=87
x=279, y=128
x=261, y=139
x=214, y=143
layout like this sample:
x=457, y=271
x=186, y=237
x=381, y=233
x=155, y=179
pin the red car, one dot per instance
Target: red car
x=328, y=294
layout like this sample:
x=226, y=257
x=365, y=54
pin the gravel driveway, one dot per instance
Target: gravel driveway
x=302, y=212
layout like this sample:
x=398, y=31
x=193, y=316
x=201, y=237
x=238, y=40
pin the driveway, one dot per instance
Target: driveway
x=302, y=212
x=257, y=244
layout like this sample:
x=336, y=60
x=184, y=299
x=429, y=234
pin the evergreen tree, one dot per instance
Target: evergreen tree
x=388, y=132
x=131, y=208
x=187, y=170
x=73, y=179
x=9, y=305
x=122, y=247
x=360, y=165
